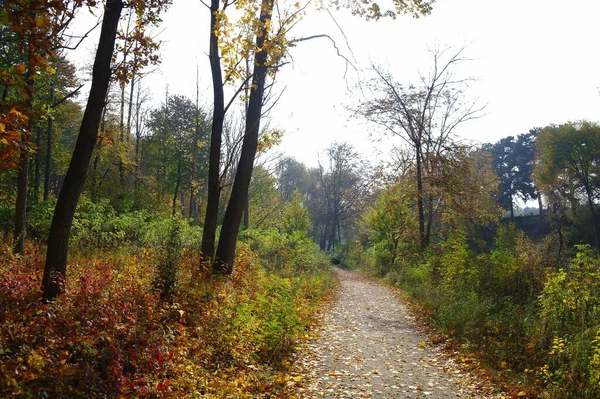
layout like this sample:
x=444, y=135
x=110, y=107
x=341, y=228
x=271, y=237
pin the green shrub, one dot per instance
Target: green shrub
x=39, y=219
x=458, y=269
x=287, y=254
x=7, y=220
x=169, y=257
x=97, y=225
x=392, y=229
x=279, y=323
x=569, y=325
x=110, y=335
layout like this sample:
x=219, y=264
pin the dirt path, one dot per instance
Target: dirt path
x=369, y=347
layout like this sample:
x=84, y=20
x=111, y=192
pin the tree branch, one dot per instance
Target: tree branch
x=65, y=98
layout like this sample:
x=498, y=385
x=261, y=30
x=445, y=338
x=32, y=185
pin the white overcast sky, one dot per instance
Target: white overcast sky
x=536, y=61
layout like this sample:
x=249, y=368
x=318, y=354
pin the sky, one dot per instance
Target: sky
x=535, y=62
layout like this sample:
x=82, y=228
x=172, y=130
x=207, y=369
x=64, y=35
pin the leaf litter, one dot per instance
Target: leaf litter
x=368, y=346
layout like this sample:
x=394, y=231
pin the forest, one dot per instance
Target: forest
x=160, y=248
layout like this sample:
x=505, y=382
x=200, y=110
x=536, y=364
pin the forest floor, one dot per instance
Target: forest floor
x=370, y=346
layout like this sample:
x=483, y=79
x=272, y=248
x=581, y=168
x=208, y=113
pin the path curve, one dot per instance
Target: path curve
x=369, y=347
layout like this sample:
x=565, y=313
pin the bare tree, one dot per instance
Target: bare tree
x=338, y=194
x=424, y=116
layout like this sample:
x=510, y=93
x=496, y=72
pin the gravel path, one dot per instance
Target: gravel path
x=369, y=347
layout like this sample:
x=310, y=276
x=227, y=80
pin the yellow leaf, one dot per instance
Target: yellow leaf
x=42, y=21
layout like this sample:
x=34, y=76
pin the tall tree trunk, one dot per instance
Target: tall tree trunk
x=540, y=204
x=225, y=254
x=192, y=210
x=21, y=205
x=58, y=239
x=177, y=183
x=36, y=175
x=23, y=177
x=122, y=129
x=246, y=221
x=430, y=217
x=420, y=206
x=131, y=95
x=138, y=137
x=323, y=238
x=163, y=174
x=95, y=184
x=49, y=132
x=588, y=191
x=332, y=235
x=212, y=200
x=122, y=139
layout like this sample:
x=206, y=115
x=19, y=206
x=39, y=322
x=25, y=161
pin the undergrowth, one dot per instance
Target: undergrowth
x=112, y=333
x=533, y=318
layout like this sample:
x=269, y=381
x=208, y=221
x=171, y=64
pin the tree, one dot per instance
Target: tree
x=60, y=113
x=336, y=201
x=212, y=200
x=135, y=50
x=39, y=25
x=13, y=121
x=425, y=117
x=264, y=202
x=58, y=239
x=178, y=130
x=392, y=226
x=291, y=177
x=513, y=160
x=467, y=192
x=372, y=10
x=264, y=38
x=570, y=153
x=224, y=256
x=295, y=216
x=231, y=48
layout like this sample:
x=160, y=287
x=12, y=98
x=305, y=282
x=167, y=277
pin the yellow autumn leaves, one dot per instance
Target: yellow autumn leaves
x=237, y=30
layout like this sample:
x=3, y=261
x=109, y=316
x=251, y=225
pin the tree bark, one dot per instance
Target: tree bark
x=122, y=152
x=588, y=191
x=177, y=183
x=192, y=209
x=323, y=238
x=21, y=205
x=138, y=137
x=58, y=239
x=430, y=217
x=23, y=177
x=36, y=175
x=420, y=207
x=209, y=231
x=225, y=254
x=247, y=213
x=49, y=148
